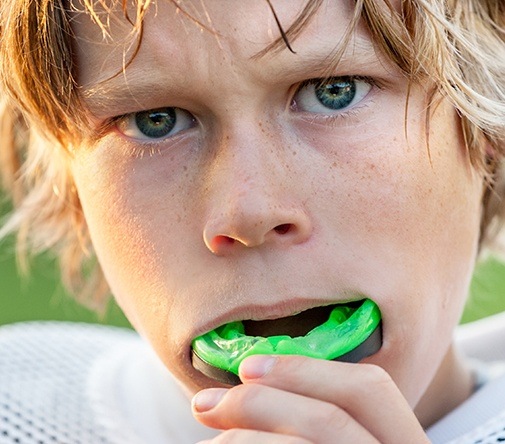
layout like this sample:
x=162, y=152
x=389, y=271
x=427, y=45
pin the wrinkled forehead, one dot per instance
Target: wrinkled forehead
x=106, y=39
x=254, y=19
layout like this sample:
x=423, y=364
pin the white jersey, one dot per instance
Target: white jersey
x=481, y=418
x=71, y=383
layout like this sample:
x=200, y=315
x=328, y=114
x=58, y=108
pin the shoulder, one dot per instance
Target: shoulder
x=44, y=380
x=36, y=350
x=480, y=419
x=80, y=383
x=49, y=351
x=61, y=332
x=483, y=339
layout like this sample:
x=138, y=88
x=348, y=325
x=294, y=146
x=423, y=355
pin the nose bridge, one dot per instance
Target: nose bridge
x=245, y=180
x=252, y=196
x=248, y=165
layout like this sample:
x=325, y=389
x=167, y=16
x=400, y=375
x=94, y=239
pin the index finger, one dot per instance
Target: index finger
x=365, y=391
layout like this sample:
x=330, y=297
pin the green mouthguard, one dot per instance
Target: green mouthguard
x=347, y=327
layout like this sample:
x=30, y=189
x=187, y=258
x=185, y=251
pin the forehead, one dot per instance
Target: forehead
x=209, y=36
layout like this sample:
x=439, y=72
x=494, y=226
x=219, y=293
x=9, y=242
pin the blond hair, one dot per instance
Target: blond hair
x=459, y=45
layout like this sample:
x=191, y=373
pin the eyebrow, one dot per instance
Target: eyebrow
x=130, y=86
x=117, y=92
x=357, y=56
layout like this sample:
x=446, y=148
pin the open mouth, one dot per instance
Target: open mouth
x=294, y=326
x=346, y=332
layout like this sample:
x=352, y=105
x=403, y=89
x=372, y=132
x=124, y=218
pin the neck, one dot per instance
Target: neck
x=453, y=384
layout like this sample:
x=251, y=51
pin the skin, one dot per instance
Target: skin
x=259, y=208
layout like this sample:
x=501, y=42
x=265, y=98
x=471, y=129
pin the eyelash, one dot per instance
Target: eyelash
x=341, y=114
x=153, y=146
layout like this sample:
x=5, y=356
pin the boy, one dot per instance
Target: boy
x=220, y=174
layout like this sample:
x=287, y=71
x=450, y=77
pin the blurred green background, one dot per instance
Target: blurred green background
x=40, y=296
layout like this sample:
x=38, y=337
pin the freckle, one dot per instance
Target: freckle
x=294, y=153
x=334, y=164
x=185, y=168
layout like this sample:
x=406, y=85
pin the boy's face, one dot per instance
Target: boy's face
x=254, y=195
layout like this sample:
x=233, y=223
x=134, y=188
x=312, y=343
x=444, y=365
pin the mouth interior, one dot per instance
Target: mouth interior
x=331, y=332
x=294, y=326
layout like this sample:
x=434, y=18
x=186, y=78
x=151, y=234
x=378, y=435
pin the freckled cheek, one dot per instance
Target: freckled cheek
x=424, y=210
x=374, y=195
x=132, y=219
x=398, y=212
x=387, y=182
x=415, y=230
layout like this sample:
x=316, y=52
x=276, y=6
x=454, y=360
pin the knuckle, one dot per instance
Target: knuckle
x=376, y=376
x=245, y=392
x=244, y=397
x=332, y=419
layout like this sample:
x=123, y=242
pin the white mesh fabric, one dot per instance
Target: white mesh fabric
x=43, y=377
x=491, y=432
x=54, y=388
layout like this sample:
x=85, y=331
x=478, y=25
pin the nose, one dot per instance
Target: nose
x=254, y=200
x=245, y=224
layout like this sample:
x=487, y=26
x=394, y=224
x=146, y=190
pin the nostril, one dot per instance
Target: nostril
x=223, y=240
x=283, y=228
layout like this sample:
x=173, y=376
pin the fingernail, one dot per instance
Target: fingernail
x=207, y=399
x=257, y=366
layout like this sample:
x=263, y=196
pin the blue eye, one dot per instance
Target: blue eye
x=157, y=123
x=330, y=95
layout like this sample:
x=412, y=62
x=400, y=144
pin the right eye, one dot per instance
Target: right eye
x=155, y=124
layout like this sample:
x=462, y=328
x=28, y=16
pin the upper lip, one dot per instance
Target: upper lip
x=261, y=312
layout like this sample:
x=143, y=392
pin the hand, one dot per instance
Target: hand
x=293, y=399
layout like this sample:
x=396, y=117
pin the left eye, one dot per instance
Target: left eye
x=155, y=124
x=333, y=94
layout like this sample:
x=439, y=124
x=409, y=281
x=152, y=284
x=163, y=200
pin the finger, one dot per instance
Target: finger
x=240, y=436
x=365, y=391
x=268, y=409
